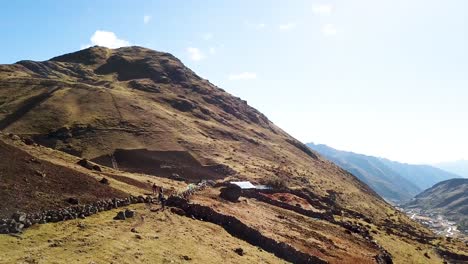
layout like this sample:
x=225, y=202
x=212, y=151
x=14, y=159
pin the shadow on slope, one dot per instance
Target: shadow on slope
x=163, y=163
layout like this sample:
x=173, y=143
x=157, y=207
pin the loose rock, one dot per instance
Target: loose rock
x=120, y=216
x=231, y=193
x=129, y=213
x=239, y=251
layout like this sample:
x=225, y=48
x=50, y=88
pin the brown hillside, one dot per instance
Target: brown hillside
x=32, y=185
x=96, y=101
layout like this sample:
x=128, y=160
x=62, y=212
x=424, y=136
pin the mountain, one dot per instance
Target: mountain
x=448, y=198
x=397, y=182
x=373, y=171
x=424, y=176
x=459, y=167
x=112, y=122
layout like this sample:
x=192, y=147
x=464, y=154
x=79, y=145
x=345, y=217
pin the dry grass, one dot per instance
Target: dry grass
x=165, y=238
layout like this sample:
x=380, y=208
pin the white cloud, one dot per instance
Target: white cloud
x=207, y=36
x=287, y=27
x=195, y=54
x=146, y=19
x=106, y=39
x=323, y=9
x=242, y=76
x=329, y=30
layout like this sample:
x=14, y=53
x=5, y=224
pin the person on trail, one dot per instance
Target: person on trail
x=155, y=189
x=161, y=198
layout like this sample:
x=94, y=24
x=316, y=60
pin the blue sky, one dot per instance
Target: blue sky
x=379, y=77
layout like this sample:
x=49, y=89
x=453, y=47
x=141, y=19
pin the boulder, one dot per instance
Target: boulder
x=239, y=251
x=89, y=165
x=85, y=163
x=129, y=213
x=120, y=216
x=14, y=137
x=15, y=227
x=104, y=181
x=231, y=193
x=19, y=217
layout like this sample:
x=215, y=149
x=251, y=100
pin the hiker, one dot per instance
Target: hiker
x=155, y=189
x=161, y=198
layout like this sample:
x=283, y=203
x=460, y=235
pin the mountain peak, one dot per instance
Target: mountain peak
x=88, y=56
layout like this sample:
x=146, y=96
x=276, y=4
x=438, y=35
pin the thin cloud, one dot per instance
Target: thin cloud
x=146, y=19
x=287, y=26
x=329, y=30
x=195, y=54
x=106, y=39
x=242, y=76
x=324, y=9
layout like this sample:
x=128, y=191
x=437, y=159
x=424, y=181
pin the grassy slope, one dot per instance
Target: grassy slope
x=166, y=238
x=104, y=238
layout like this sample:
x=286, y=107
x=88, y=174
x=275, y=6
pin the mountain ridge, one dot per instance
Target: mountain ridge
x=395, y=181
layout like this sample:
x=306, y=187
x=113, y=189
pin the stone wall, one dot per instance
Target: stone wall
x=19, y=220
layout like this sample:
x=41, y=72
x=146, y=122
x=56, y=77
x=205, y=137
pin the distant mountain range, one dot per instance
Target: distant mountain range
x=459, y=167
x=396, y=182
x=448, y=198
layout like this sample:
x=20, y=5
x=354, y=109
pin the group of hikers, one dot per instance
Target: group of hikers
x=185, y=194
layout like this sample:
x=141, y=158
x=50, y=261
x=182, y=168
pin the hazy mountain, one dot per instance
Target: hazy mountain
x=424, y=176
x=459, y=167
x=372, y=170
x=392, y=180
